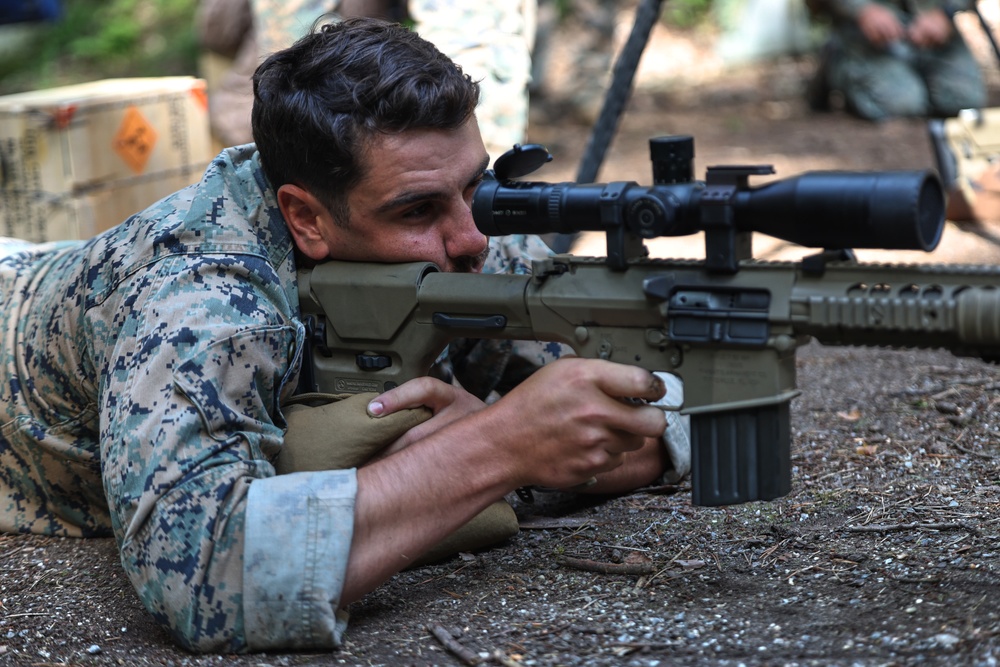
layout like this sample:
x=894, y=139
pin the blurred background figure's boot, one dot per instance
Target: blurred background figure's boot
x=819, y=89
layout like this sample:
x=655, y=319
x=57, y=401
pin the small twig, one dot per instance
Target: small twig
x=909, y=500
x=662, y=490
x=625, y=548
x=954, y=443
x=947, y=393
x=641, y=569
x=597, y=598
x=38, y=613
x=14, y=552
x=42, y=576
x=770, y=550
x=716, y=558
x=671, y=578
x=542, y=632
x=678, y=554
x=549, y=523
x=916, y=525
x=646, y=645
x=443, y=576
x=985, y=383
x=464, y=654
x=839, y=471
x=918, y=580
x=803, y=570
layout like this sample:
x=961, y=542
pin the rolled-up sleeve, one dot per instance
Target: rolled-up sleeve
x=293, y=571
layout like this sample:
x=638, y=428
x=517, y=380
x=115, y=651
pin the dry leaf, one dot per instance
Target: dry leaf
x=691, y=564
x=635, y=557
x=851, y=416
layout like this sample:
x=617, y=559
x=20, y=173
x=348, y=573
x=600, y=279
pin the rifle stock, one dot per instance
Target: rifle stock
x=728, y=325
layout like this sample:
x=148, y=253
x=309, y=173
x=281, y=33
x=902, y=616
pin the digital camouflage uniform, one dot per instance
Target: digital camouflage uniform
x=141, y=378
x=903, y=80
x=574, y=74
x=492, y=43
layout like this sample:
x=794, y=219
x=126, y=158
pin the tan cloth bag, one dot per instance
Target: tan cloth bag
x=335, y=432
x=967, y=149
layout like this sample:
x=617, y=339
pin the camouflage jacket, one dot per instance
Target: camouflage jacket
x=142, y=376
x=491, y=41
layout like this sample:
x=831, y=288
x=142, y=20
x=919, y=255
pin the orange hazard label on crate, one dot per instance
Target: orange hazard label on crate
x=199, y=93
x=135, y=140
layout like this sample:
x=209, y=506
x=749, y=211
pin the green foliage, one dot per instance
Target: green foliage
x=686, y=13
x=564, y=8
x=99, y=39
x=675, y=13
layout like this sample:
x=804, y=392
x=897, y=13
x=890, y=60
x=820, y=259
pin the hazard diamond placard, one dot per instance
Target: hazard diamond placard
x=135, y=139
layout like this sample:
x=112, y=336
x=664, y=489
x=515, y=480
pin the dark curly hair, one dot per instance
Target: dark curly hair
x=319, y=103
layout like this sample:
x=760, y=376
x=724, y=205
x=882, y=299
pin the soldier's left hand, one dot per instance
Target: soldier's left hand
x=446, y=401
x=930, y=29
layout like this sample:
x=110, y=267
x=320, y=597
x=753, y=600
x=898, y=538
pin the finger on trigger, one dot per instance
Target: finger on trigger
x=648, y=421
x=639, y=418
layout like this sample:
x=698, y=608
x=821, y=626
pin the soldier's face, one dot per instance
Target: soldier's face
x=414, y=203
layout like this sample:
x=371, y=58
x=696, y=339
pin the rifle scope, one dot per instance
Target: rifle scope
x=901, y=210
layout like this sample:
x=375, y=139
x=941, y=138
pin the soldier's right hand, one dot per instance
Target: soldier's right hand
x=930, y=29
x=573, y=419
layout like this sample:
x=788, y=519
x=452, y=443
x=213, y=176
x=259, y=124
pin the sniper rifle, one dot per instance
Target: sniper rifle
x=728, y=325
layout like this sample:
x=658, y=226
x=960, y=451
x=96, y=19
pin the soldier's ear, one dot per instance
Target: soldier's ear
x=305, y=217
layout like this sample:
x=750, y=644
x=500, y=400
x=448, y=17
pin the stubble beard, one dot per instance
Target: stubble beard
x=471, y=263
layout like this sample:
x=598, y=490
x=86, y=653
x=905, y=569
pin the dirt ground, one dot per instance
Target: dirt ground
x=885, y=552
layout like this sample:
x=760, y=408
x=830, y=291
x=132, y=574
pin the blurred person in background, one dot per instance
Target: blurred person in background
x=490, y=41
x=893, y=58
